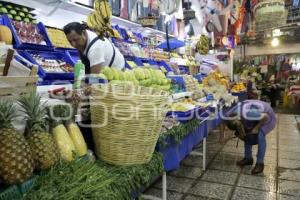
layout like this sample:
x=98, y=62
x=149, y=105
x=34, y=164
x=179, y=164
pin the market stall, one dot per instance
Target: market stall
x=156, y=111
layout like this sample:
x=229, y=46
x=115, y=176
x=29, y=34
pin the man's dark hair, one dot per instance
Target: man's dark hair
x=74, y=26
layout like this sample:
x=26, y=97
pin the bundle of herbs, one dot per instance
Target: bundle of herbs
x=84, y=179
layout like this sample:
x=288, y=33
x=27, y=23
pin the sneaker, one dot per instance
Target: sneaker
x=245, y=161
x=259, y=168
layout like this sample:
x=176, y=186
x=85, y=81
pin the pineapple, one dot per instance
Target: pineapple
x=16, y=161
x=42, y=144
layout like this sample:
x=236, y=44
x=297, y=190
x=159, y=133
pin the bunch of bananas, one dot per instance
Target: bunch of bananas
x=100, y=19
x=202, y=45
x=238, y=87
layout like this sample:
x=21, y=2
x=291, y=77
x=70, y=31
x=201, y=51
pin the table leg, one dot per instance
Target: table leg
x=164, y=186
x=204, y=155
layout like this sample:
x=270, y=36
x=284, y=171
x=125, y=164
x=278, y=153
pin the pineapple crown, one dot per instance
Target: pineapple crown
x=36, y=113
x=6, y=114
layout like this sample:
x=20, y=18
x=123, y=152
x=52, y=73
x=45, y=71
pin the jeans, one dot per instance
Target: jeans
x=262, y=144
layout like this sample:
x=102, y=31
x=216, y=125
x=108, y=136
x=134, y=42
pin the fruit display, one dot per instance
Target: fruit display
x=16, y=161
x=100, y=19
x=182, y=107
x=191, y=84
x=215, y=78
x=28, y=32
x=169, y=123
x=58, y=38
x=76, y=136
x=147, y=77
x=53, y=65
x=17, y=12
x=62, y=138
x=5, y=34
x=42, y=144
x=202, y=45
x=238, y=87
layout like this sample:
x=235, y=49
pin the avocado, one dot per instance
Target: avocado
x=25, y=9
x=21, y=14
x=26, y=19
x=10, y=16
x=3, y=10
x=18, y=18
x=13, y=12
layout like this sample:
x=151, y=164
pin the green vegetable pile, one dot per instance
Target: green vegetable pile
x=179, y=132
x=84, y=179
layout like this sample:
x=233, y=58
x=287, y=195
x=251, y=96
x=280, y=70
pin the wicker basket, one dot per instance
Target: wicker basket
x=149, y=21
x=270, y=14
x=126, y=122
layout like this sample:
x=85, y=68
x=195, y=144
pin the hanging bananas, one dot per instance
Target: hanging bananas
x=100, y=19
x=202, y=45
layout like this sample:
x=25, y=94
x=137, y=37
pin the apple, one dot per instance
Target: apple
x=3, y=10
x=9, y=6
x=18, y=18
x=29, y=16
x=26, y=20
x=10, y=16
x=25, y=9
x=21, y=14
x=13, y=12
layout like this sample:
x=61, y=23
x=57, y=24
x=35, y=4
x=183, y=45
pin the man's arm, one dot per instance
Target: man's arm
x=96, y=69
x=262, y=121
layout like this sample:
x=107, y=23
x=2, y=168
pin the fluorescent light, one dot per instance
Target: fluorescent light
x=275, y=42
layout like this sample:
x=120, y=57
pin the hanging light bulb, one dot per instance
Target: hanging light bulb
x=275, y=42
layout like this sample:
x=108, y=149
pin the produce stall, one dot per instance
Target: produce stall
x=130, y=153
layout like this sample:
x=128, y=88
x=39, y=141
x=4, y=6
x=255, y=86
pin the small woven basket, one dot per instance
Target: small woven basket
x=149, y=21
x=126, y=122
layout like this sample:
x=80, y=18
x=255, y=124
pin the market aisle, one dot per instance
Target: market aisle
x=224, y=180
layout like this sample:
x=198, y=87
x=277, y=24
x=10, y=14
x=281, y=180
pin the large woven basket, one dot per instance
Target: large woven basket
x=270, y=14
x=126, y=122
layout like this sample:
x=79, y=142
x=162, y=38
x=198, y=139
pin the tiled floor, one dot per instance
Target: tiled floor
x=224, y=180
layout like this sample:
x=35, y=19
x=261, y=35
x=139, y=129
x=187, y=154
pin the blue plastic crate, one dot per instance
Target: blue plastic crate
x=28, y=54
x=178, y=79
x=74, y=55
x=185, y=116
x=165, y=65
x=17, y=42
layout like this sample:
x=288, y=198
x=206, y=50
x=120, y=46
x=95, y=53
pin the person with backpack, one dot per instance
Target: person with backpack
x=252, y=120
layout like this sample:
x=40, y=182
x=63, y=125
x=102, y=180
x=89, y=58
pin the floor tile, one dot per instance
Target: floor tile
x=193, y=161
x=289, y=187
x=220, y=176
x=193, y=197
x=187, y=172
x=257, y=182
x=289, y=155
x=290, y=148
x=176, y=184
x=158, y=193
x=289, y=174
x=229, y=156
x=291, y=164
x=250, y=194
x=287, y=197
x=225, y=165
x=269, y=171
x=211, y=190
